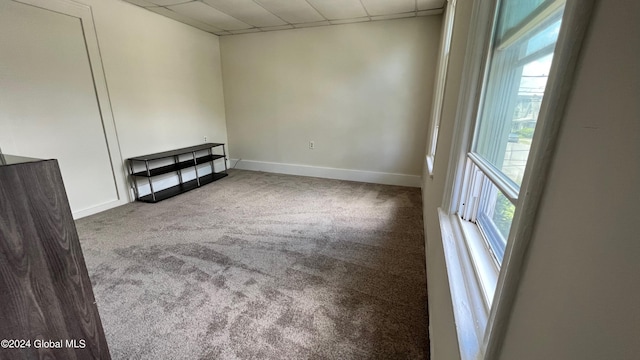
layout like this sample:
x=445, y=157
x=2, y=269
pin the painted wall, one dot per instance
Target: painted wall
x=579, y=297
x=444, y=343
x=165, y=82
x=164, y=79
x=47, y=88
x=361, y=92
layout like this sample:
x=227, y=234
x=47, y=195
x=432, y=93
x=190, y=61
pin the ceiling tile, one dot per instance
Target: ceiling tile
x=226, y=17
x=184, y=19
x=430, y=4
x=143, y=3
x=312, y=24
x=208, y=15
x=292, y=11
x=339, y=9
x=167, y=2
x=387, y=7
x=246, y=11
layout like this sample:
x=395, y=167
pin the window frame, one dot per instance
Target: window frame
x=492, y=185
x=440, y=83
x=496, y=182
x=481, y=325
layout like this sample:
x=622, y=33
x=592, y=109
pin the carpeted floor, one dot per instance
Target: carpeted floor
x=263, y=266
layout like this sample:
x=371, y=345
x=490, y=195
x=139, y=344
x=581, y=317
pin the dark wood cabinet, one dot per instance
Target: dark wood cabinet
x=47, y=307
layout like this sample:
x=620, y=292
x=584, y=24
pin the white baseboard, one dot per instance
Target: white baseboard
x=98, y=208
x=329, y=173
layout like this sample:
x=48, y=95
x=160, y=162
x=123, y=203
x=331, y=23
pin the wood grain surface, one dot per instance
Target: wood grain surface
x=45, y=291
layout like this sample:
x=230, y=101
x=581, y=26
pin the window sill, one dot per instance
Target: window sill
x=471, y=283
x=486, y=268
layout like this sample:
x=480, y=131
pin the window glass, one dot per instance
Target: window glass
x=495, y=215
x=495, y=221
x=544, y=38
x=503, y=214
x=518, y=68
x=514, y=13
x=512, y=101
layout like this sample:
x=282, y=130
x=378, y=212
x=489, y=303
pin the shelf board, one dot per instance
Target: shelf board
x=178, y=166
x=172, y=153
x=182, y=188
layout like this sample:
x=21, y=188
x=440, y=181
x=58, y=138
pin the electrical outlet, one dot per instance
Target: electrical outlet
x=312, y=145
x=205, y=139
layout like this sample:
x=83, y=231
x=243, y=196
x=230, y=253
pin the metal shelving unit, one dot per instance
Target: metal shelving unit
x=150, y=166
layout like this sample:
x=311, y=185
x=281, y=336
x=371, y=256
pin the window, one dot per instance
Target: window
x=510, y=103
x=515, y=78
x=441, y=76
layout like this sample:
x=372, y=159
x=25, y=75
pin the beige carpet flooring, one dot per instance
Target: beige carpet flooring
x=263, y=266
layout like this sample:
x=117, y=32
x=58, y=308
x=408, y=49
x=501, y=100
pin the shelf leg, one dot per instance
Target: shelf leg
x=195, y=166
x=153, y=194
x=213, y=169
x=176, y=159
x=133, y=180
x=225, y=158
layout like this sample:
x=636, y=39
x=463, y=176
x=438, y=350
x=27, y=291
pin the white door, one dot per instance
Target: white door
x=49, y=104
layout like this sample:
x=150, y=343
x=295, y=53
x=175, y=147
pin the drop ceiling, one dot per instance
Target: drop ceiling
x=229, y=17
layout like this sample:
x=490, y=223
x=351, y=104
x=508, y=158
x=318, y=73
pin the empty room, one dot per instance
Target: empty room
x=319, y=179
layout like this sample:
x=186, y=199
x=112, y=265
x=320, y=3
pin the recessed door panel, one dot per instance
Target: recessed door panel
x=48, y=102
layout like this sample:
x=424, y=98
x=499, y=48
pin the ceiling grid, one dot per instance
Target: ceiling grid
x=314, y=8
x=230, y=17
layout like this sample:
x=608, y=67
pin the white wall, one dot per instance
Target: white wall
x=442, y=334
x=165, y=82
x=164, y=79
x=47, y=88
x=579, y=297
x=361, y=92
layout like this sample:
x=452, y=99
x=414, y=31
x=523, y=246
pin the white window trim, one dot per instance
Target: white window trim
x=469, y=309
x=440, y=83
x=481, y=323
